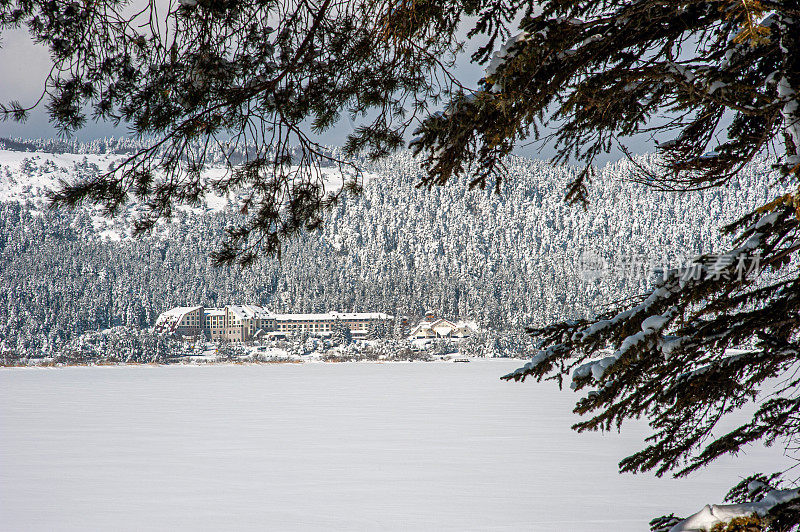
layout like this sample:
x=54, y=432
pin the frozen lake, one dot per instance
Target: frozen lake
x=321, y=446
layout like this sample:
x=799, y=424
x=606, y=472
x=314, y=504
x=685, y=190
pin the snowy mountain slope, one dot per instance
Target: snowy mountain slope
x=26, y=177
x=505, y=260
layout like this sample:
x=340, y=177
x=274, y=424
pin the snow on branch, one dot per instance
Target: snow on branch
x=720, y=514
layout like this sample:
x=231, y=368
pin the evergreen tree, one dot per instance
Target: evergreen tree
x=728, y=74
x=241, y=77
x=377, y=331
x=399, y=331
x=340, y=334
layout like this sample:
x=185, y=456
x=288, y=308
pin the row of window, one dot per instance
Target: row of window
x=217, y=322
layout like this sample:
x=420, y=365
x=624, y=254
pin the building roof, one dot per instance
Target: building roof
x=237, y=311
x=361, y=315
x=254, y=311
x=331, y=316
x=169, y=319
x=179, y=311
x=304, y=317
x=428, y=327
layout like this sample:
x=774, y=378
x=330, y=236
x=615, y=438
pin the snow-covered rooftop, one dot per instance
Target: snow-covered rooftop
x=179, y=311
x=258, y=312
x=333, y=316
x=254, y=311
x=304, y=317
x=361, y=315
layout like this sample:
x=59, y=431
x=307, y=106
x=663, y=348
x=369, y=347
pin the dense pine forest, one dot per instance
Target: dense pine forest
x=505, y=260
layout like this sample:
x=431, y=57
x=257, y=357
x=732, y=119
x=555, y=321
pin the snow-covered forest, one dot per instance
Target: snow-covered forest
x=504, y=260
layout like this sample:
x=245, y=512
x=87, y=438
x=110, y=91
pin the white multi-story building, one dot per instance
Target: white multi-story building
x=322, y=324
x=248, y=322
x=215, y=323
x=242, y=323
x=237, y=323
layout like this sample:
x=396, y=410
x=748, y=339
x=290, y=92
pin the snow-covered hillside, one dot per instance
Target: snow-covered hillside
x=504, y=260
x=27, y=177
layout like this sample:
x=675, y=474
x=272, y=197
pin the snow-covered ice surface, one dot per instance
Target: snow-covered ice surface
x=321, y=446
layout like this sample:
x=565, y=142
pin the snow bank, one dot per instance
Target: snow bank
x=714, y=514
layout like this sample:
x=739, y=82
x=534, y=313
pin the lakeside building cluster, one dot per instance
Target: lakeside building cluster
x=246, y=323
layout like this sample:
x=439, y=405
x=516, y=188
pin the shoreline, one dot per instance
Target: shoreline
x=210, y=363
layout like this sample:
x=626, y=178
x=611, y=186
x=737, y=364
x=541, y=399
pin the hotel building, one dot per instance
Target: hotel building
x=244, y=323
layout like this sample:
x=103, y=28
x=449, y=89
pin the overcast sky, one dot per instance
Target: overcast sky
x=24, y=67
